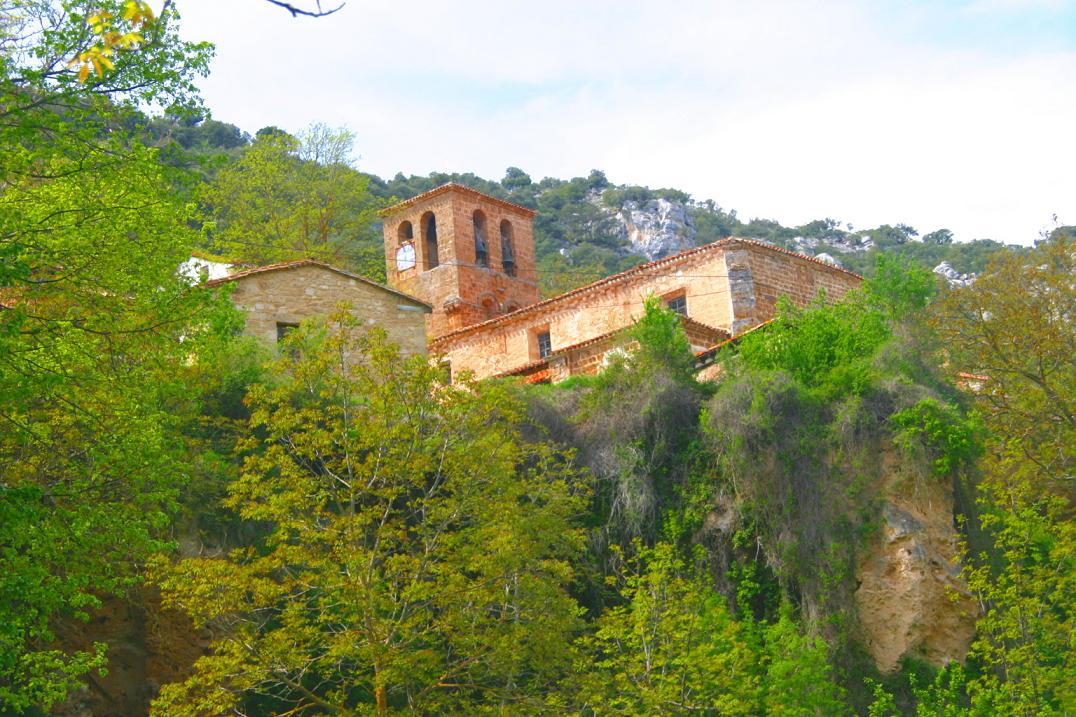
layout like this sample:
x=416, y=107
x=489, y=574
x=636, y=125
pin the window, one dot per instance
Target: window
x=429, y=227
x=405, y=247
x=481, y=249
x=508, y=254
x=282, y=330
x=677, y=304
x=545, y=346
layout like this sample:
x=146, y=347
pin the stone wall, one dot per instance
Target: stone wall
x=509, y=342
x=730, y=285
x=289, y=295
x=776, y=273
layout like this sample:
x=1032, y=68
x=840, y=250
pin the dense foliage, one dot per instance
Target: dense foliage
x=90, y=326
x=417, y=550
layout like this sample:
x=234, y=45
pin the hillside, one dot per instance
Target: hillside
x=587, y=227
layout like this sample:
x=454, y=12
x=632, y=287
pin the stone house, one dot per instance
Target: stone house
x=275, y=298
x=471, y=258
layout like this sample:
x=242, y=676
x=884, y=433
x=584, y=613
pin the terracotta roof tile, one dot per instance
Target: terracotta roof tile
x=539, y=376
x=703, y=357
x=454, y=187
x=972, y=376
x=311, y=262
x=641, y=269
x=520, y=370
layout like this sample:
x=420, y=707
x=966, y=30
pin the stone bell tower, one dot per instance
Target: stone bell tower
x=469, y=255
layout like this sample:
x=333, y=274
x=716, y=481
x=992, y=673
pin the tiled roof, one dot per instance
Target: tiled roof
x=686, y=320
x=453, y=187
x=544, y=363
x=641, y=269
x=539, y=376
x=312, y=262
x=588, y=342
x=707, y=356
x=520, y=370
x=972, y=376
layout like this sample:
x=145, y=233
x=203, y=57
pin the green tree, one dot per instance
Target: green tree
x=799, y=681
x=416, y=555
x=671, y=648
x=295, y=197
x=90, y=329
x=1015, y=326
x=938, y=236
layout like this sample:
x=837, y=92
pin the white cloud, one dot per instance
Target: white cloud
x=789, y=110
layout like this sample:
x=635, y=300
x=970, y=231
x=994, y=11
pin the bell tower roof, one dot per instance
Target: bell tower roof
x=472, y=194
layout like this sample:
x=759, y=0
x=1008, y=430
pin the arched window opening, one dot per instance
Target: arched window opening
x=481, y=249
x=429, y=226
x=508, y=253
x=405, y=247
x=489, y=307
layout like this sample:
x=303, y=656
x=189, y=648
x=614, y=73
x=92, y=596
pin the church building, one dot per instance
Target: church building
x=471, y=257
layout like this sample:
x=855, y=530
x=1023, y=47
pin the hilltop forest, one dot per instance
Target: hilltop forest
x=301, y=195
x=289, y=533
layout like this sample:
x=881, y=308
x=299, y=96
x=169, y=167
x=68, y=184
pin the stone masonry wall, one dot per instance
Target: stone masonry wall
x=510, y=343
x=292, y=294
x=733, y=287
x=777, y=274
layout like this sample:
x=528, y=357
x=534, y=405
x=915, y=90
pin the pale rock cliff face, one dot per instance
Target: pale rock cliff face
x=657, y=228
x=843, y=243
x=911, y=600
x=829, y=259
x=953, y=277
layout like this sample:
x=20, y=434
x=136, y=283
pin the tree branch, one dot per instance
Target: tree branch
x=296, y=12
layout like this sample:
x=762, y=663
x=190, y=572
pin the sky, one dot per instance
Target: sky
x=934, y=114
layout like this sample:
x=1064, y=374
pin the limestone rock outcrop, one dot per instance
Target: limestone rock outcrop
x=658, y=227
x=911, y=600
x=953, y=277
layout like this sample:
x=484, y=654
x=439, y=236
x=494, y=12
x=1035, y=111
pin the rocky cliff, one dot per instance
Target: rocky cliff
x=911, y=600
x=148, y=646
x=657, y=228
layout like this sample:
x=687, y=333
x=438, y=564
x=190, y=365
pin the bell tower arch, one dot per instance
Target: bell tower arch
x=468, y=254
